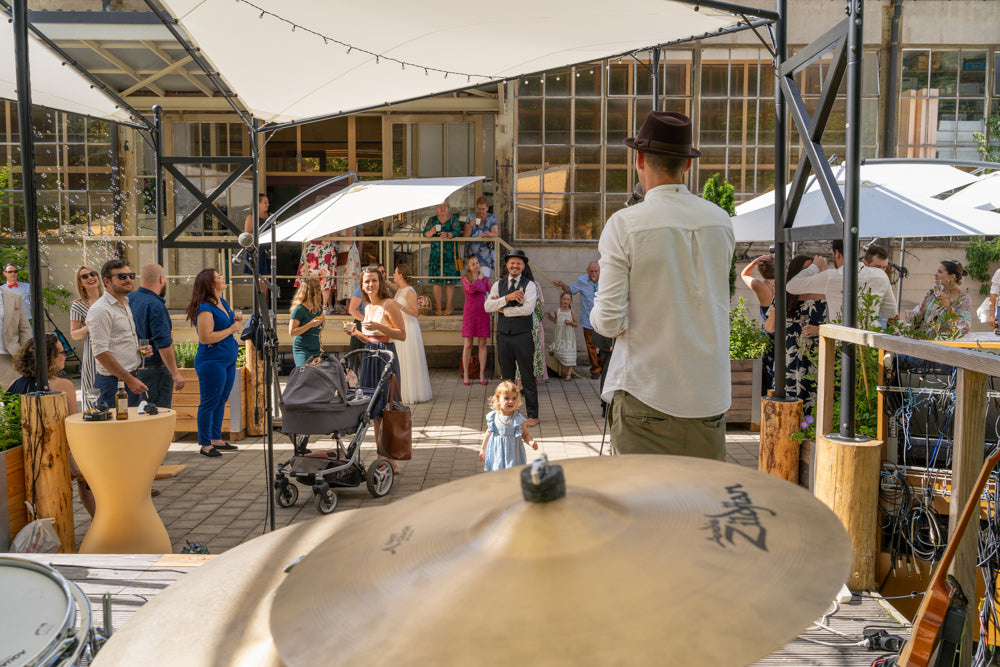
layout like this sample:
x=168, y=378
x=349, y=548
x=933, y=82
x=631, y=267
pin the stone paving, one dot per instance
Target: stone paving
x=222, y=502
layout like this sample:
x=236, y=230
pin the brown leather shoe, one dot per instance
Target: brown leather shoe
x=154, y=492
x=595, y=376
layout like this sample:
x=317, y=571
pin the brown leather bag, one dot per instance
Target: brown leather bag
x=396, y=439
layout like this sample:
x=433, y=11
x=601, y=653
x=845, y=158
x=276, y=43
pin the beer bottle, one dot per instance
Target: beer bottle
x=121, y=402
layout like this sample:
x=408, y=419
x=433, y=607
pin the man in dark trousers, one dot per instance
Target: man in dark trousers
x=513, y=299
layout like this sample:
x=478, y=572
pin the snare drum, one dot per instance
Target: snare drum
x=39, y=623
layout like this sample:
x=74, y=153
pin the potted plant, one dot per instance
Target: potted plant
x=186, y=400
x=14, y=515
x=748, y=343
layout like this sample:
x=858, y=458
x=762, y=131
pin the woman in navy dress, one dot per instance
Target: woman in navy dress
x=215, y=361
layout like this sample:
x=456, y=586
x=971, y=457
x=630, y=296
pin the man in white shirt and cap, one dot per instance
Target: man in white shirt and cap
x=664, y=297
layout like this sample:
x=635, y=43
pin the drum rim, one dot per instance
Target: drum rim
x=59, y=643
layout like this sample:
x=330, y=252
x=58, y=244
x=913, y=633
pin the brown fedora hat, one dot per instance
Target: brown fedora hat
x=664, y=133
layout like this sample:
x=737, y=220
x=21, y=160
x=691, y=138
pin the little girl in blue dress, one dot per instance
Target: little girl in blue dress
x=502, y=444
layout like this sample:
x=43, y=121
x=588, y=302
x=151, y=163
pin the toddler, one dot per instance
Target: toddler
x=502, y=446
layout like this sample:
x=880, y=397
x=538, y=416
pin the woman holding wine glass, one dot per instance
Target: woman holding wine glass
x=88, y=287
x=946, y=311
x=215, y=361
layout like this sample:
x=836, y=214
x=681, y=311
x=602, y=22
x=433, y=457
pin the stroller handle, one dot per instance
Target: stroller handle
x=388, y=356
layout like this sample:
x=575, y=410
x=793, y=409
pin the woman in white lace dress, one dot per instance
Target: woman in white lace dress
x=415, y=382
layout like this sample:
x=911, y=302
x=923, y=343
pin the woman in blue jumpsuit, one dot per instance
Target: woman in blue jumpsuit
x=215, y=361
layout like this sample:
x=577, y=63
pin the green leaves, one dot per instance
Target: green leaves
x=10, y=421
x=747, y=338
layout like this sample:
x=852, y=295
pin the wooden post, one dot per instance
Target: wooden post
x=253, y=394
x=824, y=384
x=967, y=460
x=46, y=462
x=779, y=452
x=847, y=482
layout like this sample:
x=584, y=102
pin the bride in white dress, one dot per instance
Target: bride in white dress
x=415, y=383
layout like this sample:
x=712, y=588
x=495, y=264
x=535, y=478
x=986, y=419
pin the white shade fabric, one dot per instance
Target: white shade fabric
x=883, y=212
x=366, y=201
x=921, y=180
x=984, y=193
x=53, y=85
x=282, y=74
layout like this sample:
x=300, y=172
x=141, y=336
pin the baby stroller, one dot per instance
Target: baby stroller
x=318, y=401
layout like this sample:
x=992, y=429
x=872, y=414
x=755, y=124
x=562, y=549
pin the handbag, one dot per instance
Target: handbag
x=459, y=265
x=396, y=439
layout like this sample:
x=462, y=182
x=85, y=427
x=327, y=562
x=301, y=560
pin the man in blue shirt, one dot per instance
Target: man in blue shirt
x=152, y=322
x=586, y=287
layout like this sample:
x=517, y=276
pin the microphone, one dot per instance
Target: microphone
x=246, y=243
x=901, y=270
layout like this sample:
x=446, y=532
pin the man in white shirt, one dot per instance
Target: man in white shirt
x=513, y=299
x=664, y=297
x=872, y=277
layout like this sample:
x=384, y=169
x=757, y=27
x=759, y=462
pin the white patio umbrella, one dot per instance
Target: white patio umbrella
x=922, y=180
x=366, y=201
x=883, y=213
x=984, y=193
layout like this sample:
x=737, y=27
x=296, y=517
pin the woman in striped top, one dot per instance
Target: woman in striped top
x=88, y=286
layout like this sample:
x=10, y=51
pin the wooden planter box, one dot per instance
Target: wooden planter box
x=15, y=515
x=746, y=383
x=186, y=404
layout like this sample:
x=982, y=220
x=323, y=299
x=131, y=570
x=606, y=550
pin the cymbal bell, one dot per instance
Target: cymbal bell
x=646, y=560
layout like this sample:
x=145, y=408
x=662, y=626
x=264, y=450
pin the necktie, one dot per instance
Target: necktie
x=513, y=284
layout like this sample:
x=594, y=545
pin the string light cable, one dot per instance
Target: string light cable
x=379, y=57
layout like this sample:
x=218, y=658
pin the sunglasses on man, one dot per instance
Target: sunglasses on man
x=123, y=276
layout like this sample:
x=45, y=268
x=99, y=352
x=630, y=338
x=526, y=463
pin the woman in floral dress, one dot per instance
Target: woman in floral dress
x=804, y=314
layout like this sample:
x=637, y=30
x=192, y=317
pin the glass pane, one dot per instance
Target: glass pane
x=712, y=161
x=767, y=80
x=100, y=181
x=557, y=121
x=557, y=155
x=586, y=179
x=869, y=73
x=680, y=105
x=529, y=85
x=643, y=105
x=678, y=78
x=99, y=156
x=77, y=181
x=618, y=156
x=618, y=78
x=430, y=149
x=98, y=131
x=76, y=128
x=588, y=80
x=944, y=72
x=587, y=216
x=588, y=156
x=556, y=217
x=529, y=121
x=557, y=83
x=280, y=152
x=588, y=121
x=613, y=203
x=45, y=180
x=973, y=75
x=46, y=155
x=527, y=221
x=737, y=117
x=713, y=122
x=996, y=73
x=44, y=122
x=869, y=122
x=644, y=76
x=368, y=140
x=617, y=121
x=529, y=157
x=324, y=146
x=915, y=66
x=460, y=149
x=714, y=79
x=616, y=179
x=738, y=79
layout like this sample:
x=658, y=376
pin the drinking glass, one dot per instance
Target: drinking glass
x=143, y=342
x=92, y=394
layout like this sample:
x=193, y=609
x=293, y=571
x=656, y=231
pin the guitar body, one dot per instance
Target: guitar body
x=930, y=617
x=942, y=595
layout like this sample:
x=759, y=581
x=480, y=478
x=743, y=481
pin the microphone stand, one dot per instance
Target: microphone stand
x=268, y=354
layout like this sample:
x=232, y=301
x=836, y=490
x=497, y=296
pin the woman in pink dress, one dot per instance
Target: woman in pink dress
x=475, y=319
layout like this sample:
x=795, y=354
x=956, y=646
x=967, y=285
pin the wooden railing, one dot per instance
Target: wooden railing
x=972, y=368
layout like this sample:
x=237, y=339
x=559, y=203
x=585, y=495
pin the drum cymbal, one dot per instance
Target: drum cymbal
x=217, y=615
x=646, y=560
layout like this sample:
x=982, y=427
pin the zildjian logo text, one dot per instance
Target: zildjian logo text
x=741, y=519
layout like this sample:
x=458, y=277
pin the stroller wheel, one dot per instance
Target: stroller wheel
x=379, y=478
x=287, y=495
x=326, y=501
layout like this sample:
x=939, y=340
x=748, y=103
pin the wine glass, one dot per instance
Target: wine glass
x=143, y=343
x=92, y=394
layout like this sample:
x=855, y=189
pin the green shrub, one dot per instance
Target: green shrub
x=185, y=353
x=747, y=338
x=10, y=421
